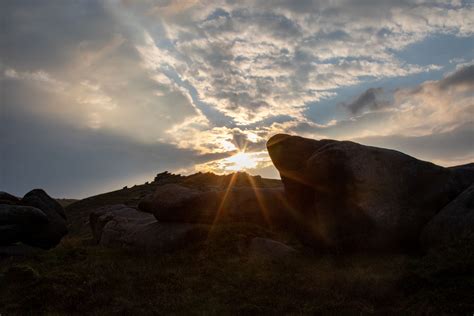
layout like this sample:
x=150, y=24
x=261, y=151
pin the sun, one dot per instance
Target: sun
x=240, y=161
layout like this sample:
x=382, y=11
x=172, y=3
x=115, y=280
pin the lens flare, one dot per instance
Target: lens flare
x=240, y=161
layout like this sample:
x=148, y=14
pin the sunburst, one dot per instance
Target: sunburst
x=240, y=161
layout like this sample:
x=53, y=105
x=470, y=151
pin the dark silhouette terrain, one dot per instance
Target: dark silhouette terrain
x=330, y=238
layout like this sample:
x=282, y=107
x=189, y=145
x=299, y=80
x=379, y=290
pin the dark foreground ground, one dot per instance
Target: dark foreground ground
x=214, y=278
x=218, y=277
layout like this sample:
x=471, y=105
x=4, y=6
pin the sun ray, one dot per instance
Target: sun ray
x=222, y=203
x=240, y=161
x=261, y=201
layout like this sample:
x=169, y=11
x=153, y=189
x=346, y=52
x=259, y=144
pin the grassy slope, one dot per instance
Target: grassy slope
x=66, y=202
x=216, y=277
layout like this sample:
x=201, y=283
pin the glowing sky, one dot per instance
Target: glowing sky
x=101, y=94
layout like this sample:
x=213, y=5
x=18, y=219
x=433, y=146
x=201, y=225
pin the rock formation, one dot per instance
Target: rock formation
x=178, y=203
x=453, y=225
x=7, y=198
x=36, y=220
x=349, y=196
x=119, y=226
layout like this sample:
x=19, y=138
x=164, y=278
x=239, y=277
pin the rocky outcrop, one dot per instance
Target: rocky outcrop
x=36, y=220
x=350, y=196
x=119, y=226
x=177, y=203
x=453, y=225
x=7, y=198
x=167, y=177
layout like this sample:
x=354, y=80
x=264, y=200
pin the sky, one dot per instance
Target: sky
x=96, y=95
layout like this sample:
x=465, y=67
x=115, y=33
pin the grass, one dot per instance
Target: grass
x=217, y=278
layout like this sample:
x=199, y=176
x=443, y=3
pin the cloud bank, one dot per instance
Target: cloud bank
x=184, y=85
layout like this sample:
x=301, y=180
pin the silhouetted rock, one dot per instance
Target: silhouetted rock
x=119, y=226
x=7, y=198
x=269, y=249
x=463, y=176
x=177, y=203
x=168, y=196
x=465, y=167
x=352, y=196
x=79, y=211
x=20, y=214
x=101, y=216
x=40, y=199
x=50, y=234
x=237, y=179
x=18, y=222
x=453, y=225
x=36, y=220
x=167, y=177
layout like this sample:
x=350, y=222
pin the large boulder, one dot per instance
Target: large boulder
x=173, y=197
x=351, y=196
x=50, y=234
x=177, y=203
x=36, y=220
x=17, y=222
x=119, y=226
x=40, y=199
x=20, y=214
x=453, y=225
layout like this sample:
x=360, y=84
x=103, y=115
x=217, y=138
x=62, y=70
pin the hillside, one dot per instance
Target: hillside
x=78, y=212
x=120, y=260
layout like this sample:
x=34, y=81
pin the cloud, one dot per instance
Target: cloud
x=253, y=60
x=462, y=77
x=68, y=161
x=455, y=147
x=177, y=83
x=248, y=141
x=88, y=70
x=434, y=106
x=371, y=99
x=403, y=118
x=432, y=121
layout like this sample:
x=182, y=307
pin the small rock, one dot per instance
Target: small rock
x=21, y=275
x=268, y=248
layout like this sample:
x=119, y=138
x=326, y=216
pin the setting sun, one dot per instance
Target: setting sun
x=240, y=161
